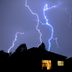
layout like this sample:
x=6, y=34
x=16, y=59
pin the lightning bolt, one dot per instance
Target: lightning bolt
x=47, y=23
x=16, y=35
x=35, y=14
x=46, y=8
x=15, y=39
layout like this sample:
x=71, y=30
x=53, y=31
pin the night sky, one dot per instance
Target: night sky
x=15, y=17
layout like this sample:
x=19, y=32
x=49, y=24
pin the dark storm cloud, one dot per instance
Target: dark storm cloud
x=15, y=17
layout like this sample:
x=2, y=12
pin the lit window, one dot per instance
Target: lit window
x=46, y=64
x=60, y=63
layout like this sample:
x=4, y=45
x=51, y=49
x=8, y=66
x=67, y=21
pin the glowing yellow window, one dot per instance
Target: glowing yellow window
x=60, y=63
x=46, y=64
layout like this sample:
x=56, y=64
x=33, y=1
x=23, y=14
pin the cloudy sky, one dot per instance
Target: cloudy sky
x=15, y=17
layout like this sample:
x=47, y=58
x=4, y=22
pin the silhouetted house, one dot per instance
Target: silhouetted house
x=36, y=59
x=40, y=59
x=53, y=62
x=68, y=65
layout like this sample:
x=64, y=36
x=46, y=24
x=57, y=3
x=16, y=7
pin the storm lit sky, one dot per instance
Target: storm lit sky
x=15, y=17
